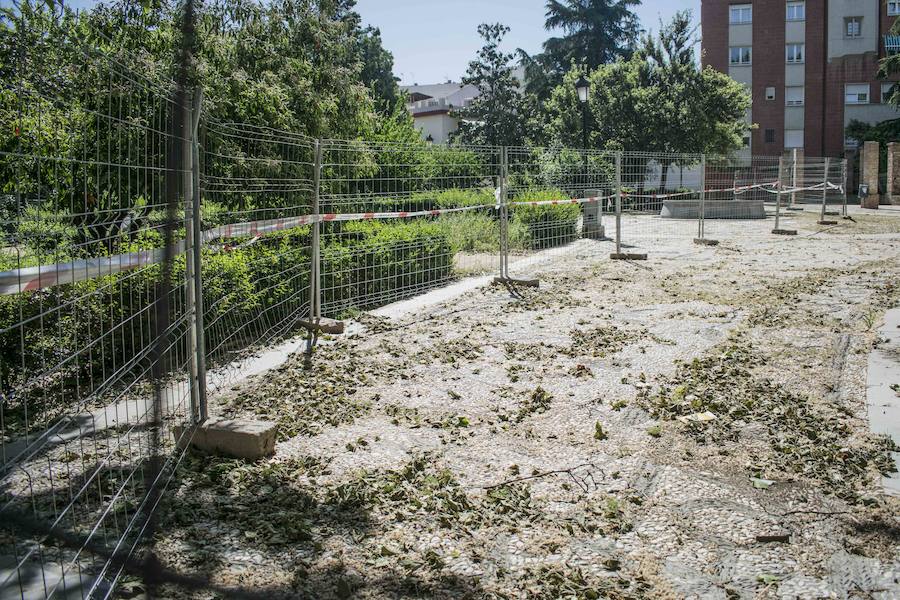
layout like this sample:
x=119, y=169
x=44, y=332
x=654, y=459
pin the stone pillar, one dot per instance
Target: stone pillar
x=893, y=173
x=870, y=174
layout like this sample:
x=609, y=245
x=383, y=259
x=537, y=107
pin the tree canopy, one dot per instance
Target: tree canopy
x=496, y=115
x=658, y=100
x=595, y=32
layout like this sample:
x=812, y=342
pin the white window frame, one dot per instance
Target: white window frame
x=893, y=8
x=858, y=87
x=791, y=134
x=788, y=101
x=741, y=62
x=856, y=32
x=793, y=60
x=744, y=14
x=799, y=11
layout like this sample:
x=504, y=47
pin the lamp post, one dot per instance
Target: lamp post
x=583, y=86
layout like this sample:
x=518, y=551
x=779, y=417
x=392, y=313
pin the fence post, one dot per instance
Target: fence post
x=504, y=214
x=824, y=210
x=503, y=201
x=794, y=178
x=779, y=192
x=196, y=251
x=845, y=173
x=619, y=202
x=701, y=221
x=190, y=265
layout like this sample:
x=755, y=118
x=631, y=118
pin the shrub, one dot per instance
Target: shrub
x=545, y=226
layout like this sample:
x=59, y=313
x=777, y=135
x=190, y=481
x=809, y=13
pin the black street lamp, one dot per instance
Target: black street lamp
x=583, y=86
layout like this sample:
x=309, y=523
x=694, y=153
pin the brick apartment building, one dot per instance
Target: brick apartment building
x=810, y=64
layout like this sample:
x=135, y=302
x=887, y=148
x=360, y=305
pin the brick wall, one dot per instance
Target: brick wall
x=768, y=71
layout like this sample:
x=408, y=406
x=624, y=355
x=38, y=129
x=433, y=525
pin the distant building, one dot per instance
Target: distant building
x=430, y=106
x=810, y=66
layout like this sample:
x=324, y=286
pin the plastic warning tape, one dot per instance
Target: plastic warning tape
x=29, y=279
x=587, y=200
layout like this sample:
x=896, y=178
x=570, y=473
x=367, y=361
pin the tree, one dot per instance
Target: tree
x=659, y=100
x=378, y=69
x=597, y=32
x=495, y=116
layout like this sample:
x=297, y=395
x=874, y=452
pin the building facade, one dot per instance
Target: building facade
x=431, y=107
x=810, y=65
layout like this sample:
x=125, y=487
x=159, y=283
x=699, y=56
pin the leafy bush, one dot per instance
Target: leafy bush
x=545, y=226
x=372, y=262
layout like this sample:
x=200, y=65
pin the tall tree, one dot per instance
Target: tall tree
x=659, y=100
x=495, y=116
x=596, y=32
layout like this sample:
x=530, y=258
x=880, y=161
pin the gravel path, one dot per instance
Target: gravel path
x=690, y=427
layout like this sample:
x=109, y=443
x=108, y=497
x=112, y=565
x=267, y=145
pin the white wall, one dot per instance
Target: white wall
x=439, y=127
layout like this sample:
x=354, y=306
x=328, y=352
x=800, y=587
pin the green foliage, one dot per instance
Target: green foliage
x=883, y=133
x=596, y=32
x=659, y=100
x=495, y=117
x=545, y=226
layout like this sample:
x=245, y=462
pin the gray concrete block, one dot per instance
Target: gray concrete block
x=239, y=438
x=677, y=208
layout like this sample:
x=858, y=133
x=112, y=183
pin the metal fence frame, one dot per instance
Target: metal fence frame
x=79, y=486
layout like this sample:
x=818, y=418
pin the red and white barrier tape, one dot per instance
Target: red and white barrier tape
x=587, y=200
x=35, y=278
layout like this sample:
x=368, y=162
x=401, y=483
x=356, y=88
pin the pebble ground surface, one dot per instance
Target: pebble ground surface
x=692, y=426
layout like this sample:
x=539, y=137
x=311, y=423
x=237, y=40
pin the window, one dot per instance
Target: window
x=795, y=53
x=887, y=90
x=794, y=95
x=793, y=138
x=739, y=55
x=770, y=93
x=796, y=11
x=893, y=8
x=853, y=27
x=856, y=93
x=746, y=141
x=770, y=136
x=740, y=14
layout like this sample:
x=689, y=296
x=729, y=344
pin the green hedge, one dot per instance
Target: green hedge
x=371, y=262
x=544, y=226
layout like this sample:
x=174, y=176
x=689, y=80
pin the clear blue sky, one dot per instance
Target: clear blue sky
x=434, y=40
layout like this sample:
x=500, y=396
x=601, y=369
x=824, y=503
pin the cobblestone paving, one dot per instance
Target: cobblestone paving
x=550, y=443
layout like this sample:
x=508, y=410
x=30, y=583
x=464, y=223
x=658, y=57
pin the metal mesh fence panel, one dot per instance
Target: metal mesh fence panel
x=399, y=219
x=257, y=189
x=660, y=198
x=555, y=196
x=88, y=395
x=106, y=329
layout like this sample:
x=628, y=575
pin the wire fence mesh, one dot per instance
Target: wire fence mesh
x=143, y=240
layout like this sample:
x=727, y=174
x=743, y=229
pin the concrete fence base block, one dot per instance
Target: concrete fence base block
x=784, y=231
x=831, y=213
x=512, y=281
x=736, y=208
x=847, y=218
x=795, y=208
x=627, y=256
x=827, y=222
x=324, y=325
x=239, y=438
x=706, y=242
